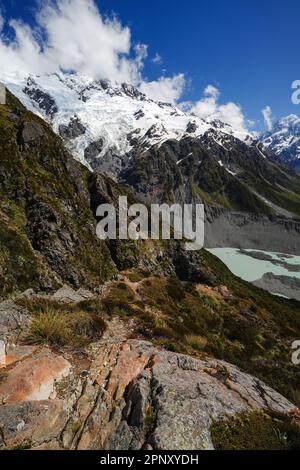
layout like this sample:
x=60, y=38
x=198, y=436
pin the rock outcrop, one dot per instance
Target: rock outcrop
x=122, y=393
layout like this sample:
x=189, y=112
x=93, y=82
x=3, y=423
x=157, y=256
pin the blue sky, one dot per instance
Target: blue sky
x=248, y=49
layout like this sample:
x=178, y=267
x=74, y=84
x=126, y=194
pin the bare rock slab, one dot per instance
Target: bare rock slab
x=34, y=378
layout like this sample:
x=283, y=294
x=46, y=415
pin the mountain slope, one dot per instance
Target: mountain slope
x=47, y=227
x=48, y=223
x=216, y=169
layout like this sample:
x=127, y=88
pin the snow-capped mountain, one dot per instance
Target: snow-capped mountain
x=161, y=152
x=102, y=122
x=284, y=140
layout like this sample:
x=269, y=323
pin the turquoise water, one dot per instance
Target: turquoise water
x=251, y=269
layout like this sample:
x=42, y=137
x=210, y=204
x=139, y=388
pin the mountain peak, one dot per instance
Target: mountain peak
x=284, y=140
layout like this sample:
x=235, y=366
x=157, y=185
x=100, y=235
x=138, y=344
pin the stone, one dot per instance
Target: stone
x=191, y=127
x=13, y=320
x=68, y=295
x=27, y=294
x=74, y=129
x=31, y=134
x=34, y=379
x=14, y=353
x=93, y=150
x=31, y=424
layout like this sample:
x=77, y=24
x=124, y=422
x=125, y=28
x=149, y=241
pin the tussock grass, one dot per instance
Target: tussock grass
x=196, y=342
x=59, y=325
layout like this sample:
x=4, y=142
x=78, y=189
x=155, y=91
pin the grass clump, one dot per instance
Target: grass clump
x=256, y=431
x=196, y=342
x=61, y=326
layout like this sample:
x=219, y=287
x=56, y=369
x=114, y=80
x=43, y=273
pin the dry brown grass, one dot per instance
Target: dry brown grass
x=61, y=327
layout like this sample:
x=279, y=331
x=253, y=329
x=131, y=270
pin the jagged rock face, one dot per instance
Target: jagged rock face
x=46, y=219
x=117, y=128
x=191, y=127
x=30, y=134
x=74, y=129
x=48, y=207
x=181, y=397
x=216, y=169
x=108, y=111
x=150, y=399
x=93, y=150
x=42, y=98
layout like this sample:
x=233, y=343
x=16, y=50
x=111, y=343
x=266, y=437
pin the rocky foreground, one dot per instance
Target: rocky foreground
x=118, y=392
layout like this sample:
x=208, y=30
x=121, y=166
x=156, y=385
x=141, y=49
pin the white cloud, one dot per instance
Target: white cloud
x=72, y=35
x=267, y=114
x=1, y=22
x=208, y=107
x=157, y=59
x=165, y=89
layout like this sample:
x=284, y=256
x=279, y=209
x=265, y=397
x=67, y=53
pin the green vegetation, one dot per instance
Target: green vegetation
x=47, y=230
x=196, y=342
x=62, y=325
x=218, y=187
x=47, y=237
x=256, y=431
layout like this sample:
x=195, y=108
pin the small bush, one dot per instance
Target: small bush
x=61, y=328
x=196, y=342
x=122, y=286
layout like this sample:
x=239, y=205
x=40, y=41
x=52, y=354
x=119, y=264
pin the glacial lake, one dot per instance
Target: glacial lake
x=251, y=269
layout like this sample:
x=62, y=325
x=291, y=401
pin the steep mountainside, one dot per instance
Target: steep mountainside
x=47, y=227
x=217, y=169
x=284, y=140
x=48, y=205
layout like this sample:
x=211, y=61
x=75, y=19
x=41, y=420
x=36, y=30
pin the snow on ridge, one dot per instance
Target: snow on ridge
x=117, y=114
x=284, y=138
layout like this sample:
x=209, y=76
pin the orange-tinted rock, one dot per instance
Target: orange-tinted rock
x=16, y=354
x=34, y=378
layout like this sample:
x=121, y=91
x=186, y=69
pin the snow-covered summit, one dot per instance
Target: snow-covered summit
x=97, y=117
x=284, y=139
